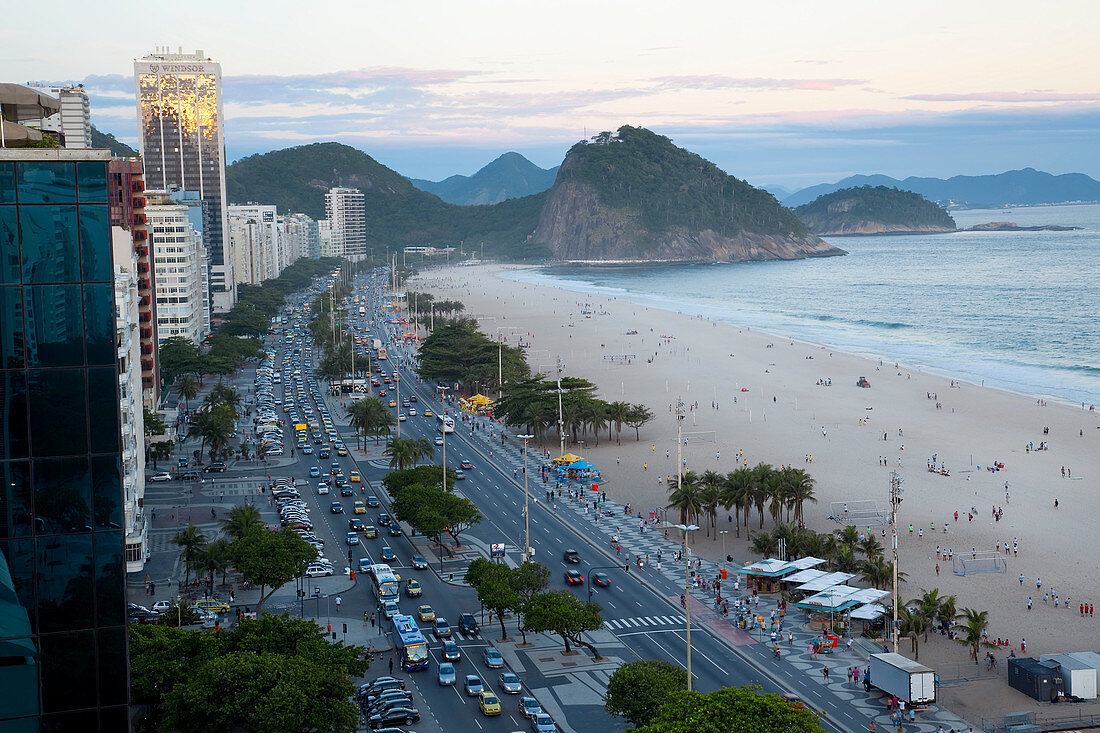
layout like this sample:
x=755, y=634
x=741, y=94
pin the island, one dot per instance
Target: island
x=874, y=210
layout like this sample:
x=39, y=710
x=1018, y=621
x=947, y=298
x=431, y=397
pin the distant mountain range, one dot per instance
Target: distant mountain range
x=508, y=177
x=1011, y=188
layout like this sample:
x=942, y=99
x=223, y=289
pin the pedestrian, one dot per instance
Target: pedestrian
x=825, y=672
x=371, y=620
x=1029, y=603
x=339, y=600
x=391, y=665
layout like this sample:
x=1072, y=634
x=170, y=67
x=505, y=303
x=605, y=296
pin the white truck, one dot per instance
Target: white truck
x=377, y=344
x=904, y=678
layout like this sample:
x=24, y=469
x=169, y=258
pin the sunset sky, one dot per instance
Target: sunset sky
x=780, y=92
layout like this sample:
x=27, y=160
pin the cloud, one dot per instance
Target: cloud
x=1029, y=97
x=717, y=81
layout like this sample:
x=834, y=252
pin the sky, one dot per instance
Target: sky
x=780, y=93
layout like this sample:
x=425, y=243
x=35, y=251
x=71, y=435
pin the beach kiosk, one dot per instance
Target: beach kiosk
x=1036, y=679
x=1078, y=676
x=769, y=575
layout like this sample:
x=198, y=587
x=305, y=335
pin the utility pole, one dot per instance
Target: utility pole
x=561, y=421
x=526, y=510
x=895, y=499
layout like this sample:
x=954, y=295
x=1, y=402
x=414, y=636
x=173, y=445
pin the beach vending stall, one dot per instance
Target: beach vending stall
x=477, y=404
x=770, y=575
x=831, y=606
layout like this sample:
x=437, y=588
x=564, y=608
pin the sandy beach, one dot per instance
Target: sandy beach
x=763, y=395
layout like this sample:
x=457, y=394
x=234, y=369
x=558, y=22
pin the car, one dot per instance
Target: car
x=345, y=490
x=451, y=652
x=354, y=477
x=336, y=507
x=401, y=417
x=459, y=474
x=601, y=579
x=425, y=613
x=388, y=554
x=324, y=452
x=439, y=440
x=489, y=703
x=314, y=471
x=466, y=464
x=467, y=624
x=318, y=571
x=405, y=403
x=428, y=413
x=528, y=707
x=442, y=629
x=370, y=531
x=542, y=723
x=574, y=577
x=394, y=530
x=214, y=467
x=378, y=685
x=389, y=700
x=211, y=604
x=571, y=556
x=355, y=524
x=412, y=412
x=492, y=659
x=446, y=673
x=160, y=476
x=189, y=475
x=384, y=519
x=473, y=685
x=372, y=502
x=341, y=450
x=359, y=507
x=161, y=606
x=322, y=489
x=390, y=609
x=413, y=398
x=307, y=449
x=413, y=589
x=143, y=616
x=510, y=684
x=353, y=538
x=393, y=403
x=419, y=562
x=408, y=716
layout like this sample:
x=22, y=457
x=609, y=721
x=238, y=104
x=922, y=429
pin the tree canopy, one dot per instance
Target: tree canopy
x=731, y=709
x=562, y=613
x=854, y=207
x=457, y=352
x=637, y=690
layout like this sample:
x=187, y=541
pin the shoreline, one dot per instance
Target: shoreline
x=868, y=352
x=784, y=417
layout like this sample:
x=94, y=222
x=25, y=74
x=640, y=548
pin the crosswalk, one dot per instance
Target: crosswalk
x=640, y=622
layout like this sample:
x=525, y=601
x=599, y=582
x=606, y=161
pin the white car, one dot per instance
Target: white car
x=161, y=476
x=162, y=606
x=322, y=489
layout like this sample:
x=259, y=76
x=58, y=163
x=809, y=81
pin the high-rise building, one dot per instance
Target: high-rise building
x=126, y=195
x=324, y=240
x=181, y=140
x=265, y=245
x=63, y=631
x=346, y=212
x=198, y=213
x=74, y=121
x=178, y=257
x=302, y=237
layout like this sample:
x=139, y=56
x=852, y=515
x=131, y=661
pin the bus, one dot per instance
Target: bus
x=386, y=587
x=411, y=642
x=381, y=354
x=446, y=423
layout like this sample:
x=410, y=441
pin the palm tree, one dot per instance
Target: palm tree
x=844, y=560
x=214, y=558
x=762, y=543
x=223, y=394
x=870, y=547
x=407, y=452
x=241, y=520
x=913, y=624
x=975, y=624
x=948, y=611
x=369, y=415
x=800, y=489
x=930, y=605
x=617, y=413
x=187, y=388
x=191, y=542
x=736, y=495
x=710, y=496
x=686, y=498
x=849, y=538
x=876, y=572
x=595, y=415
x=758, y=489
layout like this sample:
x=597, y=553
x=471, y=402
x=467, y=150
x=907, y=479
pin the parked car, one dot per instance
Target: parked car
x=160, y=476
x=215, y=467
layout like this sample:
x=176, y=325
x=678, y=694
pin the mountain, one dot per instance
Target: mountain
x=107, y=140
x=780, y=192
x=634, y=196
x=397, y=213
x=874, y=210
x=1011, y=188
x=509, y=176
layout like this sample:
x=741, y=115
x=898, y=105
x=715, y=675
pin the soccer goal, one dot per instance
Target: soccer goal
x=706, y=436
x=859, y=513
x=987, y=561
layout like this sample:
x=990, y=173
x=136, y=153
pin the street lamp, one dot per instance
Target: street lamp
x=684, y=529
x=526, y=511
x=723, y=532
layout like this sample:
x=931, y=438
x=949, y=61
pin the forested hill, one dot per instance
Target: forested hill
x=633, y=195
x=509, y=176
x=397, y=213
x=874, y=210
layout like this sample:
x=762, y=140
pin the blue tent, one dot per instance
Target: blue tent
x=580, y=466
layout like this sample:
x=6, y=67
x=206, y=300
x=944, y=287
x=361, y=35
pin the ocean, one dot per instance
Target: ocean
x=1019, y=311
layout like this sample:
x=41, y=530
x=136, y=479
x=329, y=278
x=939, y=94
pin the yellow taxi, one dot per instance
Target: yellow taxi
x=427, y=413
x=425, y=613
x=359, y=508
x=212, y=604
x=489, y=703
x=370, y=531
x=354, y=476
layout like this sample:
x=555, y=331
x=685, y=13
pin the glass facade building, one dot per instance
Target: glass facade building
x=63, y=637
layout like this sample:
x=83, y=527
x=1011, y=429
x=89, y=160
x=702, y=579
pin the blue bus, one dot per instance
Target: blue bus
x=411, y=643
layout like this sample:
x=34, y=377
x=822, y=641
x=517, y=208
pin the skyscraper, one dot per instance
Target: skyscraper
x=181, y=140
x=63, y=637
x=345, y=209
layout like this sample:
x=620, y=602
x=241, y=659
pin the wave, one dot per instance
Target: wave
x=888, y=325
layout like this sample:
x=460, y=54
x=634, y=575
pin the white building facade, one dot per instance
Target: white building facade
x=131, y=408
x=179, y=259
x=346, y=212
x=74, y=120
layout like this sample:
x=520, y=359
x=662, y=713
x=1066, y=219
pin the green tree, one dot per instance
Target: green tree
x=191, y=542
x=407, y=452
x=974, y=624
x=731, y=709
x=178, y=355
x=528, y=580
x=161, y=450
x=369, y=416
x=562, y=613
x=492, y=582
x=685, y=497
x=214, y=558
x=637, y=690
x=154, y=425
x=271, y=559
x=639, y=415
x=242, y=520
